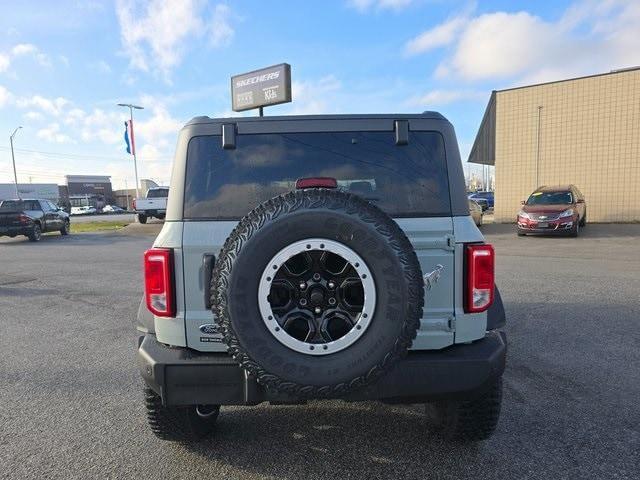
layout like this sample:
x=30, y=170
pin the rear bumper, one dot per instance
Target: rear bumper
x=182, y=376
x=16, y=230
x=151, y=213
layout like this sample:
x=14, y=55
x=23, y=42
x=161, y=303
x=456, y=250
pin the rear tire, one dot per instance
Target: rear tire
x=469, y=420
x=179, y=424
x=142, y=218
x=35, y=234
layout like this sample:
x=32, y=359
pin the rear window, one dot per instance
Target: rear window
x=18, y=205
x=404, y=181
x=158, y=193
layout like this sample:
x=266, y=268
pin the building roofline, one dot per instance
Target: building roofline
x=85, y=176
x=612, y=72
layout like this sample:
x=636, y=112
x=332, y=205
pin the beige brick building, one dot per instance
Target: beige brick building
x=584, y=131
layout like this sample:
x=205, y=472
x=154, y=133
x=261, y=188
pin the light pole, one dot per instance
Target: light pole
x=133, y=142
x=13, y=158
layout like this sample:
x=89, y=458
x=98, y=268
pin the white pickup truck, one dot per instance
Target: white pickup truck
x=153, y=205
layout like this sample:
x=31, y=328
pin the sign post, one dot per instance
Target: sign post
x=261, y=88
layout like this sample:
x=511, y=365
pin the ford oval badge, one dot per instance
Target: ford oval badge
x=209, y=329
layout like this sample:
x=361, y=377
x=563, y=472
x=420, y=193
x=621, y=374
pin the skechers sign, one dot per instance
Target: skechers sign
x=261, y=88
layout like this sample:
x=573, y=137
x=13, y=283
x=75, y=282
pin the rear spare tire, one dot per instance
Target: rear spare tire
x=317, y=292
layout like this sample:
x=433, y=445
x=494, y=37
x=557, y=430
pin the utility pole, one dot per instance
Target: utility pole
x=13, y=158
x=133, y=141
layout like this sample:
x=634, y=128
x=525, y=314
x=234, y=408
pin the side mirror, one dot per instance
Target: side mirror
x=522, y=202
x=580, y=200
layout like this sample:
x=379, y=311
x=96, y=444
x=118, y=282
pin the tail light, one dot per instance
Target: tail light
x=316, y=182
x=480, y=261
x=159, y=292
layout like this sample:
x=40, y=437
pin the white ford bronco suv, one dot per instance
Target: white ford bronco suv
x=320, y=257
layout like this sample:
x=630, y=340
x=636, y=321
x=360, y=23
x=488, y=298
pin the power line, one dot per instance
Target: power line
x=82, y=156
x=63, y=175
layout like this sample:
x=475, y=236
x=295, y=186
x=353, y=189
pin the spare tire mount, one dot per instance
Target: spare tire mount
x=317, y=296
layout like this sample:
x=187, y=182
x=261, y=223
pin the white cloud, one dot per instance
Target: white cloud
x=52, y=106
x=33, y=116
x=5, y=96
x=52, y=134
x=24, y=49
x=106, y=127
x=366, y=5
x=502, y=44
x=159, y=131
x=156, y=129
x=155, y=35
x=74, y=116
x=43, y=59
x=444, y=97
x=162, y=27
x=221, y=30
x=5, y=61
x=29, y=49
x=438, y=36
x=315, y=96
x=590, y=37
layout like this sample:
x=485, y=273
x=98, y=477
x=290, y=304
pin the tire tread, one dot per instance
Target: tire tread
x=471, y=420
x=177, y=424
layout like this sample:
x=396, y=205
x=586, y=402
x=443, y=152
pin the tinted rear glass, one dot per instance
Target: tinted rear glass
x=18, y=205
x=405, y=181
x=162, y=192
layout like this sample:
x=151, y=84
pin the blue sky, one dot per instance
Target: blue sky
x=65, y=64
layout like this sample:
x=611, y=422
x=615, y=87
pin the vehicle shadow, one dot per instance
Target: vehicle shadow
x=86, y=238
x=326, y=440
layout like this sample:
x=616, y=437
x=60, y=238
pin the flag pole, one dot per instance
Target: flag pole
x=130, y=106
x=133, y=149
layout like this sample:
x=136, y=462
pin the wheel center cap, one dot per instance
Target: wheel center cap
x=316, y=297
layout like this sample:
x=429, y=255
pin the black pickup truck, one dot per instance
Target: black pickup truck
x=32, y=217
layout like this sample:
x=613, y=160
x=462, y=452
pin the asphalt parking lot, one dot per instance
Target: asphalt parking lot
x=71, y=404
